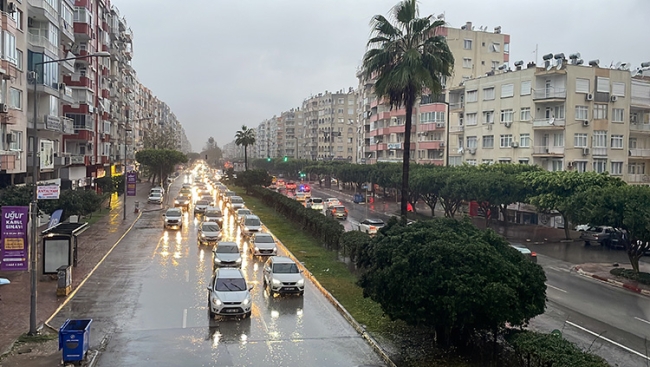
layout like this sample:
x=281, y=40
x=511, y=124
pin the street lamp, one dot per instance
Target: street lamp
x=34, y=204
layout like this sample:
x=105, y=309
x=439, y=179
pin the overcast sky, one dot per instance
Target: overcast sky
x=220, y=64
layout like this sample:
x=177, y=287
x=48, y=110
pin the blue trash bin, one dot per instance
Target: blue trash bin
x=74, y=339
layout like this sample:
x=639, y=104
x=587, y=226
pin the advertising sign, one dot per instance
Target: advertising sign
x=13, y=230
x=47, y=154
x=55, y=218
x=49, y=192
x=131, y=179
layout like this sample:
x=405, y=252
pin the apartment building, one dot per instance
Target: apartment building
x=563, y=115
x=290, y=133
x=476, y=52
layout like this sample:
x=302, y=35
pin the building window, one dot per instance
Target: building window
x=637, y=168
x=54, y=106
x=600, y=165
x=616, y=168
x=582, y=85
x=10, y=53
x=17, y=16
x=467, y=44
x=558, y=140
x=488, y=141
x=557, y=165
x=600, y=139
x=525, y=114
x=505, y=141
x=340, y=111
x=507, y=90
x=524, y=140
x=16, y=140
x=470, y=119
x=471, y=162
x=341, y=100
x=504, y=160
x=495, y=65
x=488, y=94
x=472, y=142
x=19, y=59
x=580, y=166
x=495, y=47
x=600, y=111
x=617, y=114
x=487, y=161
x=617, y=142
x=580, y=140
x=631, y=143
x=467, y=63
x=16, y=99
x=618, y=89
x=427, y=117
x=506, y=115
x=488, y=117
x=472, y=96
x=582, y=113
x=523, y=160
x=525, y=88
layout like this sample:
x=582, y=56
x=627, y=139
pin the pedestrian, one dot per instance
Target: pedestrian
x=409, y=207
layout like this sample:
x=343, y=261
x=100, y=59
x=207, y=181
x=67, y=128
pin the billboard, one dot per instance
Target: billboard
x=131, y=180
x=47, y=154
x=13, y=229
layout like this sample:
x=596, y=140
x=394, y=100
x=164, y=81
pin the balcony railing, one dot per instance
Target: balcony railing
x=68, y=125
x=77, y=159
x=549, y=94
x=638, y=178
x=40, y=41
x=640, y=127
x=548, y=122
x=542, y=150
x=456, y=129
x=45, y=6
x=639, y=152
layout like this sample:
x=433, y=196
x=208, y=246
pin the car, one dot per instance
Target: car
x=157, y=189
x=155, y=198
x=338, y=212
x=213, y=214
x=599, y=234
x=314, y=203
x=186, y=186
x=200, y=206
x=241, y=212
x=300, y=196
x=209, y=199
x=229, y=294
x=185, y=192
x=226, y=254
x=291, y=186
x=235, y=202
x=262, y=244
x=226, y=195
x=525, y=251
x=173, y=218
x=281, y=275
x=249, y=224
x=371, y=226
x=330, y=202
x=209, y=233
x=304, y=188
x=281, y=184
x=182, y=201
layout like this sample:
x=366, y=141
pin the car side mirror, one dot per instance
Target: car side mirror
x=163, y=214
x=250, y=288
x=209, y=288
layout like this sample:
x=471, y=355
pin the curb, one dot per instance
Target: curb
x=339, y=307
x=613, y=282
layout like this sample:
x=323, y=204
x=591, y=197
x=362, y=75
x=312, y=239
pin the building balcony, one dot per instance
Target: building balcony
x=384, y=115
x=542, y=151
x=67, y=31
x=82, y=31
x=7, y=160
x=42, y=10
x=456, y=106
x=81, y=159
x=432, y=126
x=374, y=118
x=599, y=151
x=65, y=94
x=48, y=123
x=549, y=123
x=106, y=93
x=638, y=178
x=549, y=94
x=434, y=161
x=640, y=128
x=457, y=129
x=430, y=144
x=67, y=124
x=639, y=153
x=42, y=43
x=105, y=159
x=77, y=80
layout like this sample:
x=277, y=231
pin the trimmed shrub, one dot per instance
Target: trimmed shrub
x=540, y=350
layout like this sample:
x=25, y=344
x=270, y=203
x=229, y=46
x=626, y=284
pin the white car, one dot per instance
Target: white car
x=330, y=202
x=371, y=226
x=173, y=218
x=213, y=214
x=262, y=244
x=157, y=189
x=201, y=206
x=229, y=294
x=242, y=212
x=235, y=203
x=249, y=224
x=281, y=275
x=226, y=254
x=314, y=203
x=155, y=197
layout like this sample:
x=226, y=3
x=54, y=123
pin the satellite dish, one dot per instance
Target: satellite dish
x=460, y=150
x=551, y=121
x=625, y=66
x=618, y=65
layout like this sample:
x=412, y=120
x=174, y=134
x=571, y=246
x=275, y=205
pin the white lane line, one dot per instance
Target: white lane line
x=559, y=269
x=642, y=320
x=184, y=318
x=556, y=288
x=608, y=340
x=187, y=276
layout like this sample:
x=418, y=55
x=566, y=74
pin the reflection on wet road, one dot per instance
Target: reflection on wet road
x=150, y=299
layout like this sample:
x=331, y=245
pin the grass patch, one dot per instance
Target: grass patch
x=96, y=216
x=641, y=277
x=38, y=338
x=331, y=273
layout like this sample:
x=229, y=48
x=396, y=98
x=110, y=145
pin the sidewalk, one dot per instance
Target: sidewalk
x=93, y=244
x=602, y=273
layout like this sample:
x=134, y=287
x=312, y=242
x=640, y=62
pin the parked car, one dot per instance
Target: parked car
x=597, y=234
x=213, y=214
x=262, y=244
x=281, y=275
x=157, y=189
x=314, y=203
x=155, y=198
x=200, y=206
x=532, y=256
x=371, y=226
x=242, y=212
x=209, y=233
x=249, y=224
x=173, y=218
x=226, y=254
x=182, y=201
x=338, y=212
x=229, y=294
x=235, y=202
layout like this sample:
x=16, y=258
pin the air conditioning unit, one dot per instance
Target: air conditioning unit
x=10, y=138
x=514, y=144
x=613, y=98
x=442, y=144
x=472, y=151
x=507, y=123
x=11, y=8
x=440, y=124
x=4, y=108
x=585, y=151
x=585, y=123
x=589, y=97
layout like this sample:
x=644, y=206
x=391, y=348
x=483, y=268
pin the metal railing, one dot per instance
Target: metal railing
x=548, y=150
x=549, y=93
x=45, y=6
x=548, y=122
x=41, y=41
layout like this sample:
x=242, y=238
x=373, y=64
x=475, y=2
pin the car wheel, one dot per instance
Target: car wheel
x=301, y=293
x=248, y=314
x=587, y=243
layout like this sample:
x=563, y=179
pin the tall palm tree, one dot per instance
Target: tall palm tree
x=407, y=58
x=245, y=137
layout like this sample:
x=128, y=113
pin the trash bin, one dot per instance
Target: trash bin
x=137, y=207
x=64, y=285
x=74, y=338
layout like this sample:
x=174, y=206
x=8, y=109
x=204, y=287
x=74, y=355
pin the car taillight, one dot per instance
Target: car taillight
x=533, y=254
x=333, y=211
x=373, y=227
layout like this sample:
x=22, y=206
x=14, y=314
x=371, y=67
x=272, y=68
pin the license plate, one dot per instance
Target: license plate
x=230, y=311
x=290, y=288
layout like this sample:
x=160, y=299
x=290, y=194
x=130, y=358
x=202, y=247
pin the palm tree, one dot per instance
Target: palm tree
x=245, y=137
x=407, y=58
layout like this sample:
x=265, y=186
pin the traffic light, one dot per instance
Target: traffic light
x=286, y=158
x=268, y=159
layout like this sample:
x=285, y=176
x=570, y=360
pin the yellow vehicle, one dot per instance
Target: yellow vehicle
x=274, y=180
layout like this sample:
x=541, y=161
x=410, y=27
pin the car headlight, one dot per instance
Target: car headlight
x=276, y=282
x=238, y=260
x=176, y=202
x=246, y=301
x=300, y=282
x=217, y=260
x=246, y=229
x=202, y=235
x=216, y=301
x=257, y=249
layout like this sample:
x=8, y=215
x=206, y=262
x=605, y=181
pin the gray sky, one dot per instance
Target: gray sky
x=220, y=64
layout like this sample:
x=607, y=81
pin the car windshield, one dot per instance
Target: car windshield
x=341, y=208
x=227, y=249
x=202, y=202
x=174, y=213
x=317, y=201
x=236, y=200
x=213, y=213
x=155, y=194
x=264, y=239
x=211, y=227
x=374, y=222
x=243, y=212
x=233, y=285
x=252, y=222
x=285, y=268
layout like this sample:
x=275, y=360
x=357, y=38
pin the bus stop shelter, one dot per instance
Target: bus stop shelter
x=60, y=246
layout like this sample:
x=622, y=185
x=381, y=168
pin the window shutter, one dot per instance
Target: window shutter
x=618, y=89
x=602, y=85
x=525, y=88
x=582, y=85
x=507, y=90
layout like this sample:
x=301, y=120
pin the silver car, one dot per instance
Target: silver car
x=213, y=214
x=200, y=206
x=229, y=294
x=226, y=254
x=242, y=212
x=281, y=275
x=173, y=218
x=209, y=233
x=250, y=224
x=263, y=244
x=236, y=202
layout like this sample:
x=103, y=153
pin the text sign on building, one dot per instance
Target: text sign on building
x=131, y=179
x=394, y=145
x=49, y=192
x=14, y=238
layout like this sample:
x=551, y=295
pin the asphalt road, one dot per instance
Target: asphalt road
x=148, y=301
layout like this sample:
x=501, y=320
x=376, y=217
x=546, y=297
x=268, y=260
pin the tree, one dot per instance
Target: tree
x=254, y=177
x=455, y=188
x=245, y=137
x=160, y=161
x=407, y=58
x=449, y=275
x=161, y=138
x=429, y=182
x=110, y=185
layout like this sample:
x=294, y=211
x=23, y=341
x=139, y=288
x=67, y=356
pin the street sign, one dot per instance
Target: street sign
x=49, y=192
x=131, y=180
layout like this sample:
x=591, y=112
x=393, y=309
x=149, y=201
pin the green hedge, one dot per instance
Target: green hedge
x=541, y=350
x=641, y=277
x=326, y=229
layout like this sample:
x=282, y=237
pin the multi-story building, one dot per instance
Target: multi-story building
x=560, y=116
x=476, y=52
x=290, y=133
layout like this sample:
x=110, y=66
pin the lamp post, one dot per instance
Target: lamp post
x=33, y=207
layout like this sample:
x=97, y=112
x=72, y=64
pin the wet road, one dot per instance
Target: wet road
x=149, y=300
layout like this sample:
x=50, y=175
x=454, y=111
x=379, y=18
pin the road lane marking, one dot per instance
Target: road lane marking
x=187, y=276
x=642, y=320
x=608, y=340
x=184, y=318
x=559, y=269
x=556, y=288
